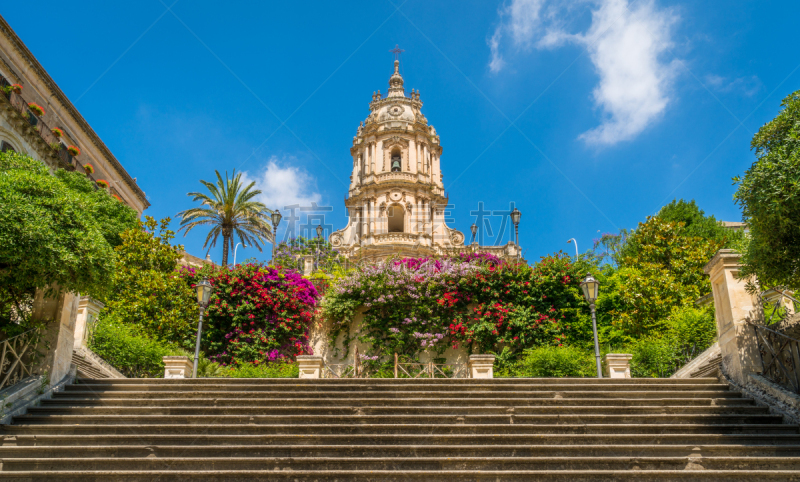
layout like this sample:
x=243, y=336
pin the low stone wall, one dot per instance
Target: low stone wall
x=320, y=341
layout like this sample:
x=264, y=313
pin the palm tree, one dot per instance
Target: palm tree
x=230, y=211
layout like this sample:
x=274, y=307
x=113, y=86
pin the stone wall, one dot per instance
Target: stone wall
x=320, y=341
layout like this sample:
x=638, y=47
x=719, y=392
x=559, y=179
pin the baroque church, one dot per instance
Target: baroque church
x=396, y=202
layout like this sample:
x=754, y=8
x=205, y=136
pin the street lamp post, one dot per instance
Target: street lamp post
x=474, y=229
x=591, y=288
x=203, y=294
x=573, y=240
x=234, y=251
x=276, y=219
x=515, y=214
x=319, y=242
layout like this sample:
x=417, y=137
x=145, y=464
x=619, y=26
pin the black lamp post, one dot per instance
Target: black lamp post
x=203, y=294
x=276, y=219
x=591, y=288
x=515, y=214
x=474, y=229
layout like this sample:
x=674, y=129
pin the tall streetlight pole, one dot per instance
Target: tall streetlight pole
x=591, y=288
x=203, y=294
x=572, y=240
x=276, y=219
x=515, y=214
x=234, y=251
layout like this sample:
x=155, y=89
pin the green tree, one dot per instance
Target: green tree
x=55, y=229
x=147, y=291
x=230, y=210
x=661, y=268
x=697, y=224
x=769, y=194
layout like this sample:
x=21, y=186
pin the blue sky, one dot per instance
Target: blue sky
x=589, y=115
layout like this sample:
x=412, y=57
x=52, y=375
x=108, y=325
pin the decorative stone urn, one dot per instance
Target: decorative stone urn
x=310, y=366
x=618, y=365
x=177, y=367
x=481, y=366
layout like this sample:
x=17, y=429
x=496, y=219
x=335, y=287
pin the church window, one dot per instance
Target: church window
x=5, y=147
x=396, y=217
x=397, y=165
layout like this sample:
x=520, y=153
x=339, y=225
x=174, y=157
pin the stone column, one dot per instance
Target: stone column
x=308, y=264
x=61, y=313
x=733, y=307
x=177, y=367
x=88, y=312
x=412, y=156
x=618, y=365
x=310, y=366
x=481, y=366
x=380, y=157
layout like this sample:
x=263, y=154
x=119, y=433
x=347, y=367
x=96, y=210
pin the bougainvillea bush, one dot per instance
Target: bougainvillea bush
x=257, y=314
x=415, y=305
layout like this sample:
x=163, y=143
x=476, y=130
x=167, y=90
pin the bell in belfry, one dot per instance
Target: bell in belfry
x=396, y=164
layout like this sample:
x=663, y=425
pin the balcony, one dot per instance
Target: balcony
x=42, y=129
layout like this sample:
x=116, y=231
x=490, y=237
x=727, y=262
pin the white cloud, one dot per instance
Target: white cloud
x=747, y=86
x=626, y=43
x=282, y=185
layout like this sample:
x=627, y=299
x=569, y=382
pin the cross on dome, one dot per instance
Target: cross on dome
x=397, y=51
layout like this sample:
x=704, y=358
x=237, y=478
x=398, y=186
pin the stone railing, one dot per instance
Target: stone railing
x=406, y=238
x=478, y=366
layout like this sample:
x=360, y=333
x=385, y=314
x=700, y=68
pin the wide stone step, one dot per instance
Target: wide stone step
x=508, y=419
x=441, y=390
x=408, y=475
x=394, y=439
x=402, y=381
x=360, y=450
x=78, y=407
x=380, y=430
x=409, y=397
x=402, y=463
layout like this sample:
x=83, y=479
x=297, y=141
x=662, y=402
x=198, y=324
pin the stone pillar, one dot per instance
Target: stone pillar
x=380, y=157
x=733, y=307
x=88, y=312
x=481, y=366
x=310, y=366
x=412, y=156
x=177, y=367
x=308, y=264
x=61, y=313
x=618, y=365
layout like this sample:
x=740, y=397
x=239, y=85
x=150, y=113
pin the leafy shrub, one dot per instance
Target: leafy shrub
x=553, y=361
x=653, y=357
x=256, y=313
x=279, y=369
x=413, y=305
x=132, y=353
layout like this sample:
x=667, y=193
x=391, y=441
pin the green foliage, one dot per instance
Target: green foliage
x=208, y=369
x=328, y=262
x=147, y=291
x=662, y=268
x=769, y=194
x=553, y=361
x=129, y=351
x=279, y=369
x=688, y=331
x=229, y=211
x=415, y=305
x=54, y=230
x=697, y=224
x=256, y=313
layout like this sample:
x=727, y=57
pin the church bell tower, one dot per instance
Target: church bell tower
x=396, y=201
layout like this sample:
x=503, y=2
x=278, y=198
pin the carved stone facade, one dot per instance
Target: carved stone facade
x=396, y=202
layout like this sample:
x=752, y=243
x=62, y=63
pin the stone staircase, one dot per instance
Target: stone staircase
x=393, y=430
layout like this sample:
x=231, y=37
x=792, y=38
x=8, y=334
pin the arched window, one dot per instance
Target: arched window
x=396, y=217
x=397, y=163
x=5, y=146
